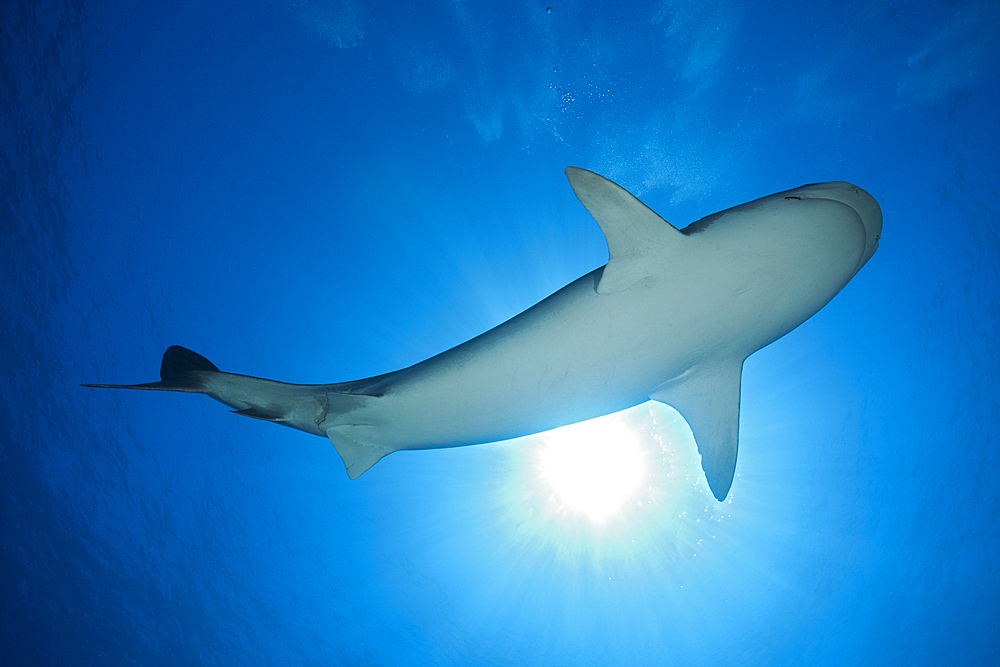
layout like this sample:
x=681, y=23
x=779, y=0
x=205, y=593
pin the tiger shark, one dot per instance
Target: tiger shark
x=671, y=317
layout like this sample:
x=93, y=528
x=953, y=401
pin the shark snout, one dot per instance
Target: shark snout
x=863, y=204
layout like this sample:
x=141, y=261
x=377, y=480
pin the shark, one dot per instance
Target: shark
x=671, y=317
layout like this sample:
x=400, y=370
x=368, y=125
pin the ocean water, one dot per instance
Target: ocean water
x=323, y=191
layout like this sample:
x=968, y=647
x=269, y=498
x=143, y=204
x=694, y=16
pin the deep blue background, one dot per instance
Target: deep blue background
x=322, y=191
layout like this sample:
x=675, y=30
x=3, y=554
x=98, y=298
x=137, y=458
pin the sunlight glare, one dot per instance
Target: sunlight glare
x=593, y=466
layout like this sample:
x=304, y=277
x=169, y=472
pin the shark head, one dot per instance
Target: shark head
x=863, y=204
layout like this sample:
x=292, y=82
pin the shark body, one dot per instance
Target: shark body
x=671, y=317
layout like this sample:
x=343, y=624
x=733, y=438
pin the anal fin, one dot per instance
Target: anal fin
x=260, y=413
x=355, y=449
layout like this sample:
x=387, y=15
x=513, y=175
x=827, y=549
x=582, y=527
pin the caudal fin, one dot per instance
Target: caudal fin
x=340, y=415
x=180, y=370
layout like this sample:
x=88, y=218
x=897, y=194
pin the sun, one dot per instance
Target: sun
x=592, y=466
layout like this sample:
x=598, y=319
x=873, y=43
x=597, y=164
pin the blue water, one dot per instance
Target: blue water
x=322, y=191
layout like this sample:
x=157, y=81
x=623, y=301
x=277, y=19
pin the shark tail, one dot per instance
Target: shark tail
x=341, y=412
x=180, y=370
x=297, y=406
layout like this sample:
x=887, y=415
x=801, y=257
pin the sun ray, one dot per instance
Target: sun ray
x=593, y=466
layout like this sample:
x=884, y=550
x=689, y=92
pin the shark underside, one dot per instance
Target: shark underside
x=671, y=317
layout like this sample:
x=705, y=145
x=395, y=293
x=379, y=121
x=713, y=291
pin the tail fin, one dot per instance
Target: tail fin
x=343, y=416
x=279, y=402
x=179, y=371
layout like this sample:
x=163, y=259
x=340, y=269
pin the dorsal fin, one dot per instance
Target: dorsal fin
x=636, y=236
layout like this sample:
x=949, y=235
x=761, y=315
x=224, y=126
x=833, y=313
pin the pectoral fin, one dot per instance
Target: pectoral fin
x=709, y=400
x=639, y=241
